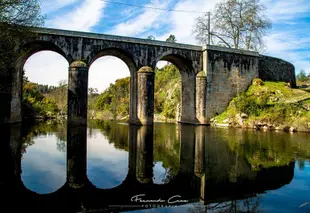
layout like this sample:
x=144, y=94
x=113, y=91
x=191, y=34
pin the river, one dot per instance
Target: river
x=116, y=167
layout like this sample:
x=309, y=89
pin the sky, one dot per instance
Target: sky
x=289, y=38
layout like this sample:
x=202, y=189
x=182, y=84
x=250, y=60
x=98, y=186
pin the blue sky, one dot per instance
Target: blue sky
x=289, y=38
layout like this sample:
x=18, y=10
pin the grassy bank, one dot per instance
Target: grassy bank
x=268, y=105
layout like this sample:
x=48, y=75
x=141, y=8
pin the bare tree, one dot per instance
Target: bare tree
x=237, y=24
x=16, y=18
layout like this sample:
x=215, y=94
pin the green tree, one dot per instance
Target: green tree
x=115, y=98
x=171, y=39
x=35, y=103
x=302, y=76
x=239, y=24
x=60, y=95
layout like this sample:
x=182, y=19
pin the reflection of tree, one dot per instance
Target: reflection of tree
x=61, y=146
x=166, y=144
x=301, y=164
x=32, y=130
x=266, y=150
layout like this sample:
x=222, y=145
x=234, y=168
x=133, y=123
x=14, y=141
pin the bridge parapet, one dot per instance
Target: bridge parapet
x=79, y=34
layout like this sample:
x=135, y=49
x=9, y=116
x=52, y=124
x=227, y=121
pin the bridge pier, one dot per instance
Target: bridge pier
x=10, y=155
x=144, y=156
x=77, y=124
x=11, y=93
x=187, y=152
x=132, y=147
x=188, y=103
x=146, y=95
x=199, y=168
x=77, y=93
x=201, y=98
x=76, y=155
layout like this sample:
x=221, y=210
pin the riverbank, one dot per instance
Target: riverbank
x=268, y=106
x=264, y=106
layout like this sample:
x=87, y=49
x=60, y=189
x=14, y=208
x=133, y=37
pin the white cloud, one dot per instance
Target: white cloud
x=183, y=23
x=48, y=175
x=289, y=40
x=51, y=6
x=46, y=67
x=280, y=11
x=161, y=64
x=106, y=70
x=142, y=22
x=82, y=18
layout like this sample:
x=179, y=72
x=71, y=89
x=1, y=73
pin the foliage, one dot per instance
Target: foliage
x=166, y=143
x=32, y=130
x=45, y=89
x=60, y=95
x=36, y=102
x=167, y=91
x=171, y=39
x=302, y=76
x=271, y=102
x=115, y=98
x=237, y=24
x=15, y=19
x=151, y=37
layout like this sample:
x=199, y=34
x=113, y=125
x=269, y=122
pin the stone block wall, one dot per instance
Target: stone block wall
x=228, y=73
x=274, y=69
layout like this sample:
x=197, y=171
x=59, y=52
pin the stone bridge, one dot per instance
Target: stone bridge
x=208, y=73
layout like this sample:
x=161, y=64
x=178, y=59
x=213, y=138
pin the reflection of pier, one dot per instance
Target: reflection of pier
x=204, y=175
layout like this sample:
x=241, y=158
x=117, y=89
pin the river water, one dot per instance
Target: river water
x=116, y=167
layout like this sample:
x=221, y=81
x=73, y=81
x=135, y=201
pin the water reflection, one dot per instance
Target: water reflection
x=107, y=165
x=43, y=166
x=221, y=170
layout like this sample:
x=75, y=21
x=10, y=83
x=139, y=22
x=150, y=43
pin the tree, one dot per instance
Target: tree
x=151, y=37
x=16, y=18
x=171, y=39
x=92, y=91
x=239, y=24
x=302, y=76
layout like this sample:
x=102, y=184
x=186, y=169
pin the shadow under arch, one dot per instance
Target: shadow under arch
x=116, y=52
x=188, y=85
x=30, y=48
x=181, y=62
x=129, y=61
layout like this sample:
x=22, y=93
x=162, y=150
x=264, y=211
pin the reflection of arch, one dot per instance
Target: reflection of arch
x=36, y=46
x=119, y=53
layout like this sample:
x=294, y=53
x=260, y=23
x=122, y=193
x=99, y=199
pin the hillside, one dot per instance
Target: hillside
x=268, y=105
x=113, y=103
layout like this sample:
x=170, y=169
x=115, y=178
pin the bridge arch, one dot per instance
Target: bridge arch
x=180, y=61
x=128, y=59
x=30, y=48
x=187, y=107
x=116, y=52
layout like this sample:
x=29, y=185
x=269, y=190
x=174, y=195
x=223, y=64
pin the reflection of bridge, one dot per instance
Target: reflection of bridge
x=198, y=178
x=204, y=94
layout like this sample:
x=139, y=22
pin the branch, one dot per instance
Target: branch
x=221, y=39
